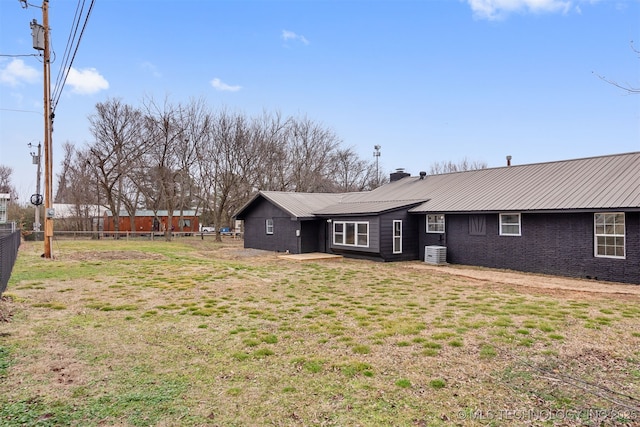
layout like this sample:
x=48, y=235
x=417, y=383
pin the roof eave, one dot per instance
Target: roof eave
x=537, y=211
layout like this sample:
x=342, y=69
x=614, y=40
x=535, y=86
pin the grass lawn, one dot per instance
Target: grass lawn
x=198, y=333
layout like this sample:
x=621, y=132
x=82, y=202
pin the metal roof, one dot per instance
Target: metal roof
x=607, y=182
x=298, y=205
x=365, y=207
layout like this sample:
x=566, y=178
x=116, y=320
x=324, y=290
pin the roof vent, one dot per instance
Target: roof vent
x=508, y=160
x=422, y=174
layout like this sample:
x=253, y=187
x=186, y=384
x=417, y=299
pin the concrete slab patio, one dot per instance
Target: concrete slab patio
x=312, y=256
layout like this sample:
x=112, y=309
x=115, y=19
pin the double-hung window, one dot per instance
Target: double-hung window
x=510, y=225
x=269, y=226
x=609, y=235
x=351, y=233
x=435, y=223
x=397, y=236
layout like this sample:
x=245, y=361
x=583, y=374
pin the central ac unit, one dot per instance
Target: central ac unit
x=435, y=254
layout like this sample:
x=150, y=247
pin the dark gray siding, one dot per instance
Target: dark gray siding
x=284, y=229
x=410, y=232
x=311, y=236
x=381, y=237
x=374, y=235
x=551, y=243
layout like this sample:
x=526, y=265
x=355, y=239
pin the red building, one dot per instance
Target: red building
x=146, y=221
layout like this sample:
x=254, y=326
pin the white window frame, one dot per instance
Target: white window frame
x=608, y=233
x=397, y=238
x=502, y=223
x=435, y=223
x=268, y=225
x=344, y=233
x=336, y=233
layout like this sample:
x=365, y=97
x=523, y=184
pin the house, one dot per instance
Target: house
x=284, y=221
x=5, y=198
x=578, y=218
x=146, y=221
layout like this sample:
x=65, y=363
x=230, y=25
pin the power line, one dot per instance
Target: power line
x=21, y=111
x=71, y=49
x=70, y=40
x=72, y=45
x=16, y=56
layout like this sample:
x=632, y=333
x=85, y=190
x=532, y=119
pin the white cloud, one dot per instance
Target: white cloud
x=498, y=9
x=219, y=85
x=290, y=35
x=87, y=81
x=17, y=72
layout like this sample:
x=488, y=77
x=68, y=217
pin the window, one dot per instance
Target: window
x=609, y=235
x=435, y=223
x=362, y=234
x=510, y=224
x=351, y=233
x=338, y=233
x=269, y=225
x=397, y=236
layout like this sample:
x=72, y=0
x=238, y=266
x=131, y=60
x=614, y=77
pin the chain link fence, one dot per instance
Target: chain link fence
x=9, y=244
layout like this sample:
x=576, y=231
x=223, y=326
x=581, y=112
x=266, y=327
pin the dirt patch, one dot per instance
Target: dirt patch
x=530, y=280
x=5, y=309
x=242, y=253
x=111, y=255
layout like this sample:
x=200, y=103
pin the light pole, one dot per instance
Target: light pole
x=376, y=154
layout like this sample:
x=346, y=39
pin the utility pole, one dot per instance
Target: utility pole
x=36, y=199
x=40, y=35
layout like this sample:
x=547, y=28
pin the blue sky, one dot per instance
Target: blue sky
x=428, y=81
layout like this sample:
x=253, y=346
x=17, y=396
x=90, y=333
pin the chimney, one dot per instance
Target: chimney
x=508, y=160
x=398, y=175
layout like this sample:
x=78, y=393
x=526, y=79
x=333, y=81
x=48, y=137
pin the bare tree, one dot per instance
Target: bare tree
x=269, y=133
x=232, y=163
x=352, y=173
x=230, y=133
x=165, y=133
x=5, y=180
x=205, y=174
x=130, y=194
x=117, y=148
x=310, y=149
x=175, y=157
x=196, y=121
x=624, y=86
x=77, y=187
x=449, y=166
x=63, y=192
